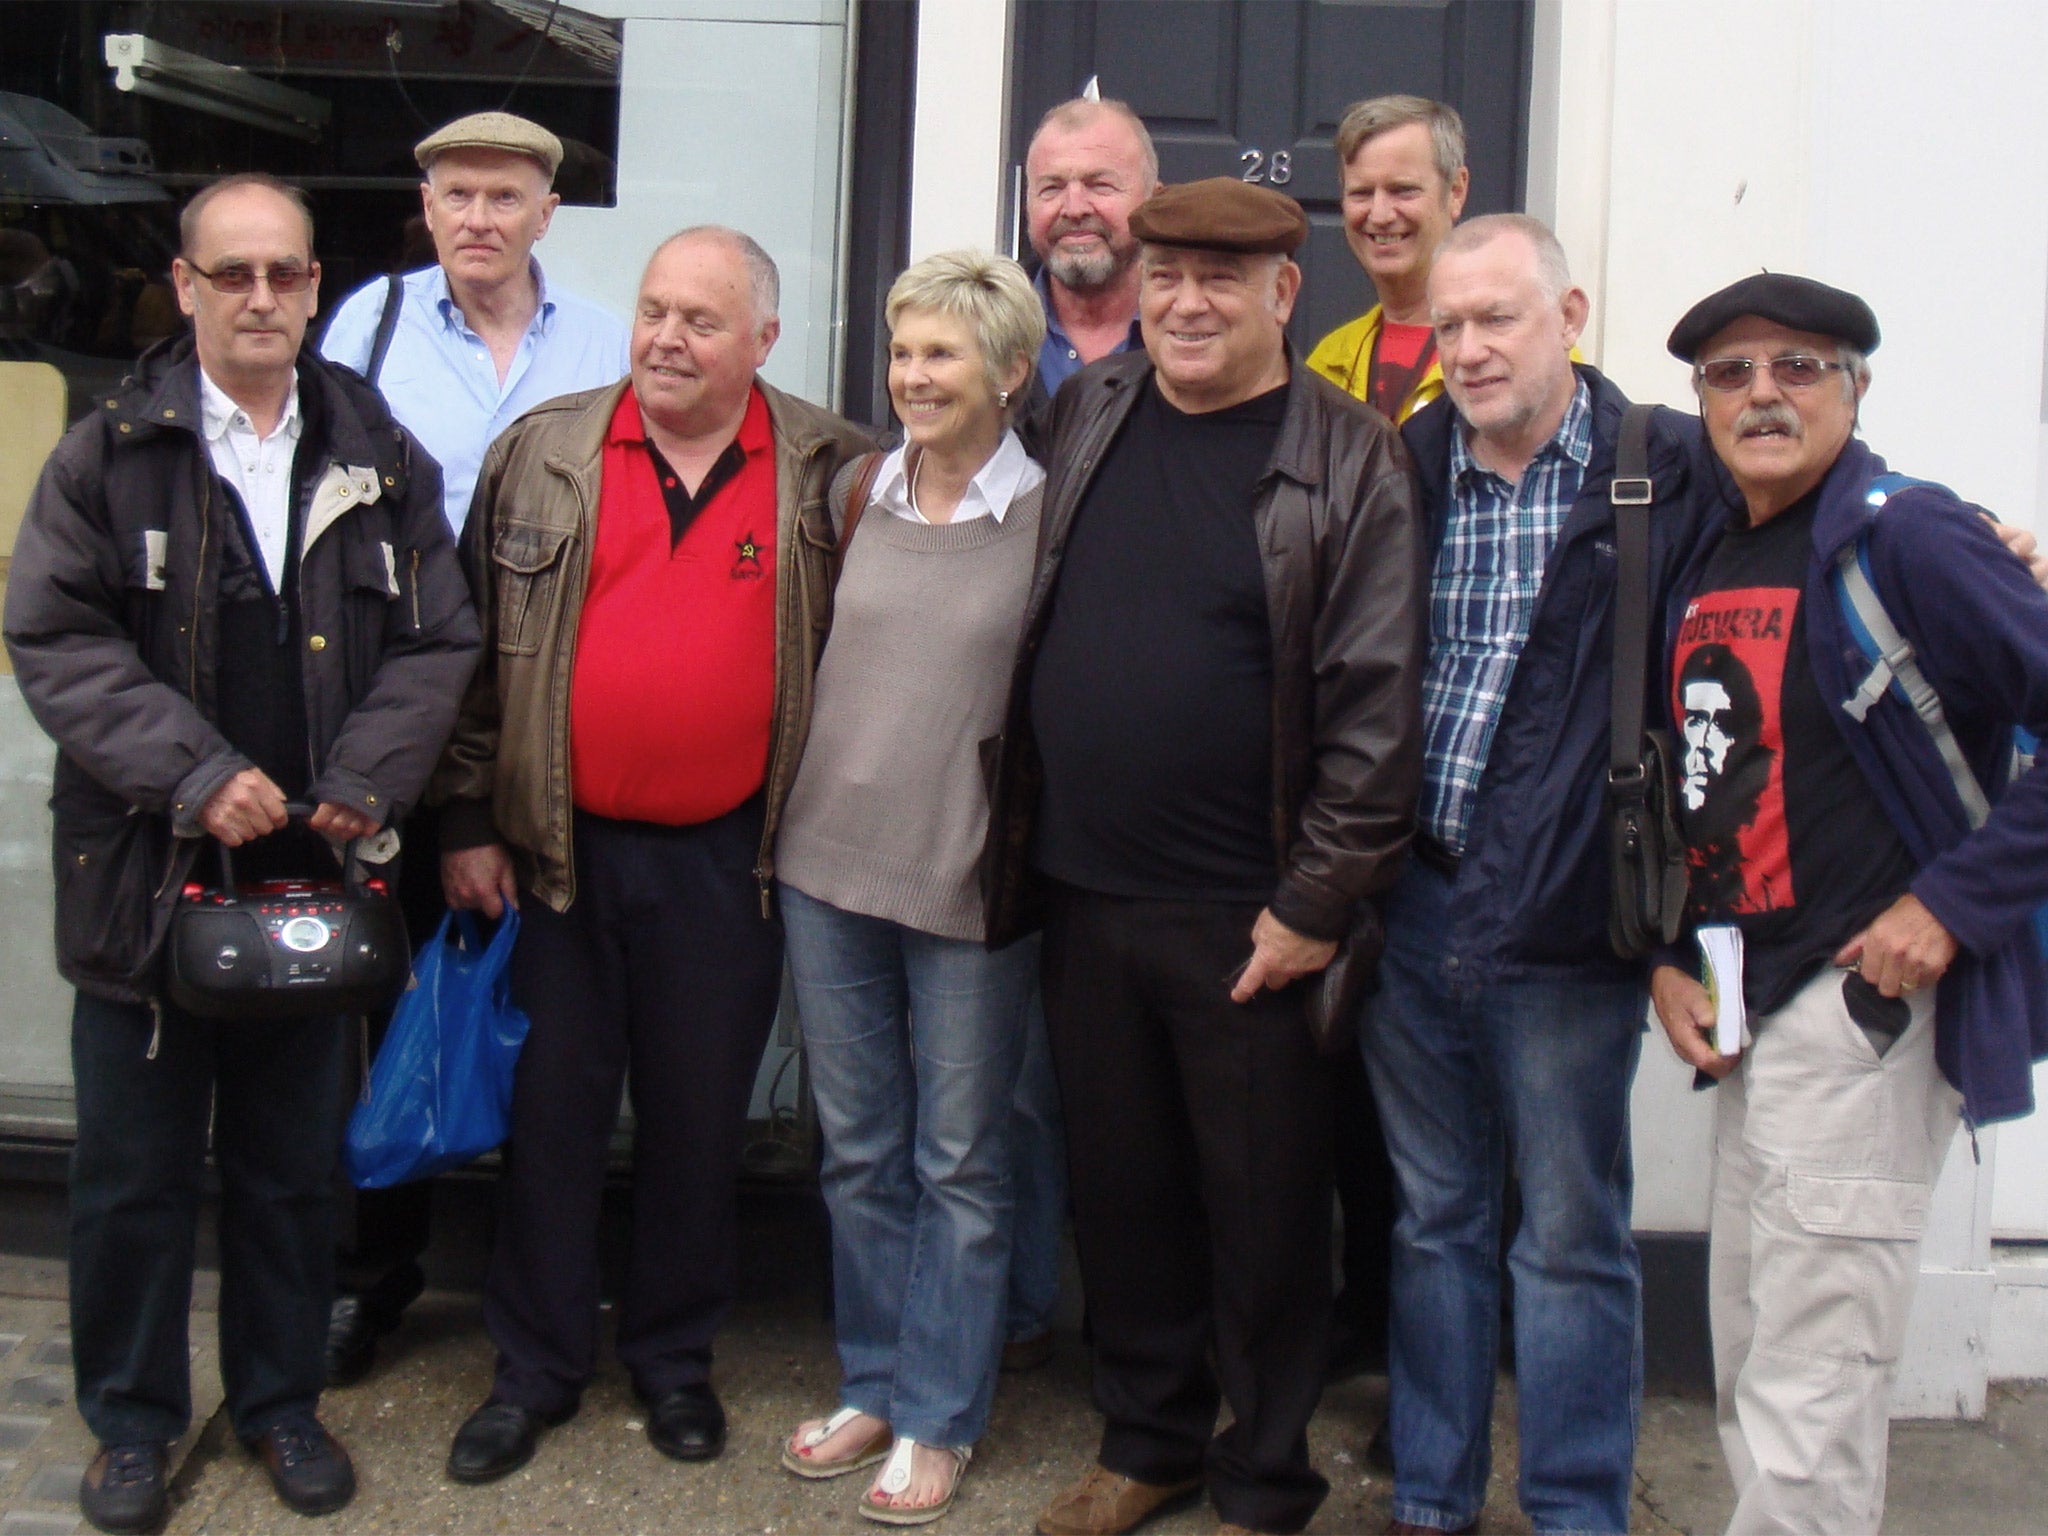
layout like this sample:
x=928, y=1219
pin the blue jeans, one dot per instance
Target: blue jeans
x=1541, y=1070
x=1038, y=1165
x=914, y=1044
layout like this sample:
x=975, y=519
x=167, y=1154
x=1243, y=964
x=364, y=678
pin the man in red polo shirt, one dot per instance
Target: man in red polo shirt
x=652, y=561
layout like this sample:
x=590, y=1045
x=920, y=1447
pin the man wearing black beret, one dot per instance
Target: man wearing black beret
x=1208, y=766
x=1884, y=881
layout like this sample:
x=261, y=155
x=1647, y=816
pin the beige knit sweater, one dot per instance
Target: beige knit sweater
x=890, y=808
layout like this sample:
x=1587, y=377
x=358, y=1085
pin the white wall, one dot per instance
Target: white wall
x=1890, y=148
x=1893, y=149
x=957, y=174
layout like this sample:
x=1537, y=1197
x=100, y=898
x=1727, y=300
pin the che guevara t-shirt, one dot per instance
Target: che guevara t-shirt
x=1783, y=834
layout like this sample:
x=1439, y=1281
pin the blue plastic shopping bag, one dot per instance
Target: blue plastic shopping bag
x=441, y=1089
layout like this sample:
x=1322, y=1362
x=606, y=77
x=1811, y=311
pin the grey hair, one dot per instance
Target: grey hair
x=762, y=276
x=1368, y=119
x=991, y=293
x=1080, y=111
x=1553, y=272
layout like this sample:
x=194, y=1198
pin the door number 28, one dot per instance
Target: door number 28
x=1276, y=168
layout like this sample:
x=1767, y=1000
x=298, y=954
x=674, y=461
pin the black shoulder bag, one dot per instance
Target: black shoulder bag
x=1646, y=849
x=387, y=325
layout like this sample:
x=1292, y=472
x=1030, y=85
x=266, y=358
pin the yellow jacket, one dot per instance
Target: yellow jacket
x=1344, y=357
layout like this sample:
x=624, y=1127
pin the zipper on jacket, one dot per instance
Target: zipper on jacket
x=767, y=900
x=415, y=591
x=198, y=584
x=156, y=1032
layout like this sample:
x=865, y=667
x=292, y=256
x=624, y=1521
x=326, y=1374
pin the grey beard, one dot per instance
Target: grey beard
x=1084, y=273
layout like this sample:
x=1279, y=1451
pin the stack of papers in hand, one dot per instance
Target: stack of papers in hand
x=1721, y=948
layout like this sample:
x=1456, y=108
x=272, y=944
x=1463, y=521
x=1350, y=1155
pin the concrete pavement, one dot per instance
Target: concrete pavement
x=597, y=1475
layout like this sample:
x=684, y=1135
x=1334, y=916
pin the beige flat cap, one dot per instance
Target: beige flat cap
x=493, y=130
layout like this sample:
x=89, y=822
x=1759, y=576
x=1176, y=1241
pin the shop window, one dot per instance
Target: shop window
x=329, y=94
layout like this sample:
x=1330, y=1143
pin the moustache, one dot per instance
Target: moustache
x=1087, y=223
x=1774, y=416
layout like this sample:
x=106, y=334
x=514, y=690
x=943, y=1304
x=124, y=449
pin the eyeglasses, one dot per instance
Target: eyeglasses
x=1795, y=372
x=240, y=277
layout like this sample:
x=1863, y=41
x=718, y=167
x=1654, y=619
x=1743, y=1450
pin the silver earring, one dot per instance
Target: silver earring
x=1002, y=399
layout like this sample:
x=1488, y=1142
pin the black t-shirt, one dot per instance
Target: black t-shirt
x=1152, y=698
x=1784, y=835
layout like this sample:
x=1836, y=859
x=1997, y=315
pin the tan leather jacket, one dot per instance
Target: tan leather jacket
x=505, y=775
x=1342, y=544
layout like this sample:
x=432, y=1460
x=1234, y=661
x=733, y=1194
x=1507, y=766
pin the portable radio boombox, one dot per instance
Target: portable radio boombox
x=287, y=949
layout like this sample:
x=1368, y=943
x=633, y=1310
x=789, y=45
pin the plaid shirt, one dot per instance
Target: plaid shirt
x=1482, y=597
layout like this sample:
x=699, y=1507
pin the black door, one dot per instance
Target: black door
x=1255, y=89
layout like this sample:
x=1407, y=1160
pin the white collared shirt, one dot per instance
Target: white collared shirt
x=1008, y=474
x=258, y=468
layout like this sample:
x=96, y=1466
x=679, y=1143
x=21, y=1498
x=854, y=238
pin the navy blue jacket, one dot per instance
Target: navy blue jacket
x=1533, y=888
x=1979, y=625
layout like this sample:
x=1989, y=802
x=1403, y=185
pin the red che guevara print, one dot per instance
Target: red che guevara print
x=1730, y=667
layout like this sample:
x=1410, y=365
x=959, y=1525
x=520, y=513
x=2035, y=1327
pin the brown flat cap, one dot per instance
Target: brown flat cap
x=1222, y=214
x=493, y=130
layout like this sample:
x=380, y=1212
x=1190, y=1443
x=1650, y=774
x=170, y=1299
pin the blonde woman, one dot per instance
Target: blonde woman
x=914, y=1029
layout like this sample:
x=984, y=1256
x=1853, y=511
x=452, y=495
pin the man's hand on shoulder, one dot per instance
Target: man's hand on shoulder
x=480, y=879
x=2023, y=543
x=245, y=808
x=1279, y=956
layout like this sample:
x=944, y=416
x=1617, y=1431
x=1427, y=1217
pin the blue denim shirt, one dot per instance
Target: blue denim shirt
x=441, y=384
x=1057, y=359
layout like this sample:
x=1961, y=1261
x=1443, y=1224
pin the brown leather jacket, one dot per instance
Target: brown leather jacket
x=505, y=775
x=1342, y=542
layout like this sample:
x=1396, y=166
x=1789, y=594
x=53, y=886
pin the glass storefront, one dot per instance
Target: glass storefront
x=673, y=112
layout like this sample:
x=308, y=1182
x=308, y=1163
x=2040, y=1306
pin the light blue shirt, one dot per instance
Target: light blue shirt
x=440, y=382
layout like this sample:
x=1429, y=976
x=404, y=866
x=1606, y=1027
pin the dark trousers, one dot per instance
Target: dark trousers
x=1365, y=1194
x=379, y=1258
x=1198, y=1136
x=274, y=1093
x=663, y=967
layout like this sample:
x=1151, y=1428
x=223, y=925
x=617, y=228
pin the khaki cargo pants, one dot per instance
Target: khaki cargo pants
x=1825, y=1162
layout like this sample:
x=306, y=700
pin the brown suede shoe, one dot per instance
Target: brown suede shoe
x=1104, y=1503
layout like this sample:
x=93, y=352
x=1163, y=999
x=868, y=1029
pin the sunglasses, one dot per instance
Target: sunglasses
x=240, y=277
x=1795, y=372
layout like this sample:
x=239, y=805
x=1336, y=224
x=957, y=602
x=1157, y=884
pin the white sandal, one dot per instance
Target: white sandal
x=876, y=1447
x=896, y=1477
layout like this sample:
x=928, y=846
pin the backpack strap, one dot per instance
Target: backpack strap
x=387, y=325
x=1895, y=667
x=1630, y=494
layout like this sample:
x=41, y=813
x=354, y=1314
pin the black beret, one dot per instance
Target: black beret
x=1222, y=214
x=1798, y=302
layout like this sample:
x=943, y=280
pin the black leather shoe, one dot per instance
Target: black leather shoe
x=127, y=1488
x=688, y=1424
x=498, y=1439
x=308, y=1467
x=352, y=1336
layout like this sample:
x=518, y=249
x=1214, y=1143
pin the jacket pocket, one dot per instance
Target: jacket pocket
x=108, y=868
x=528, y=574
